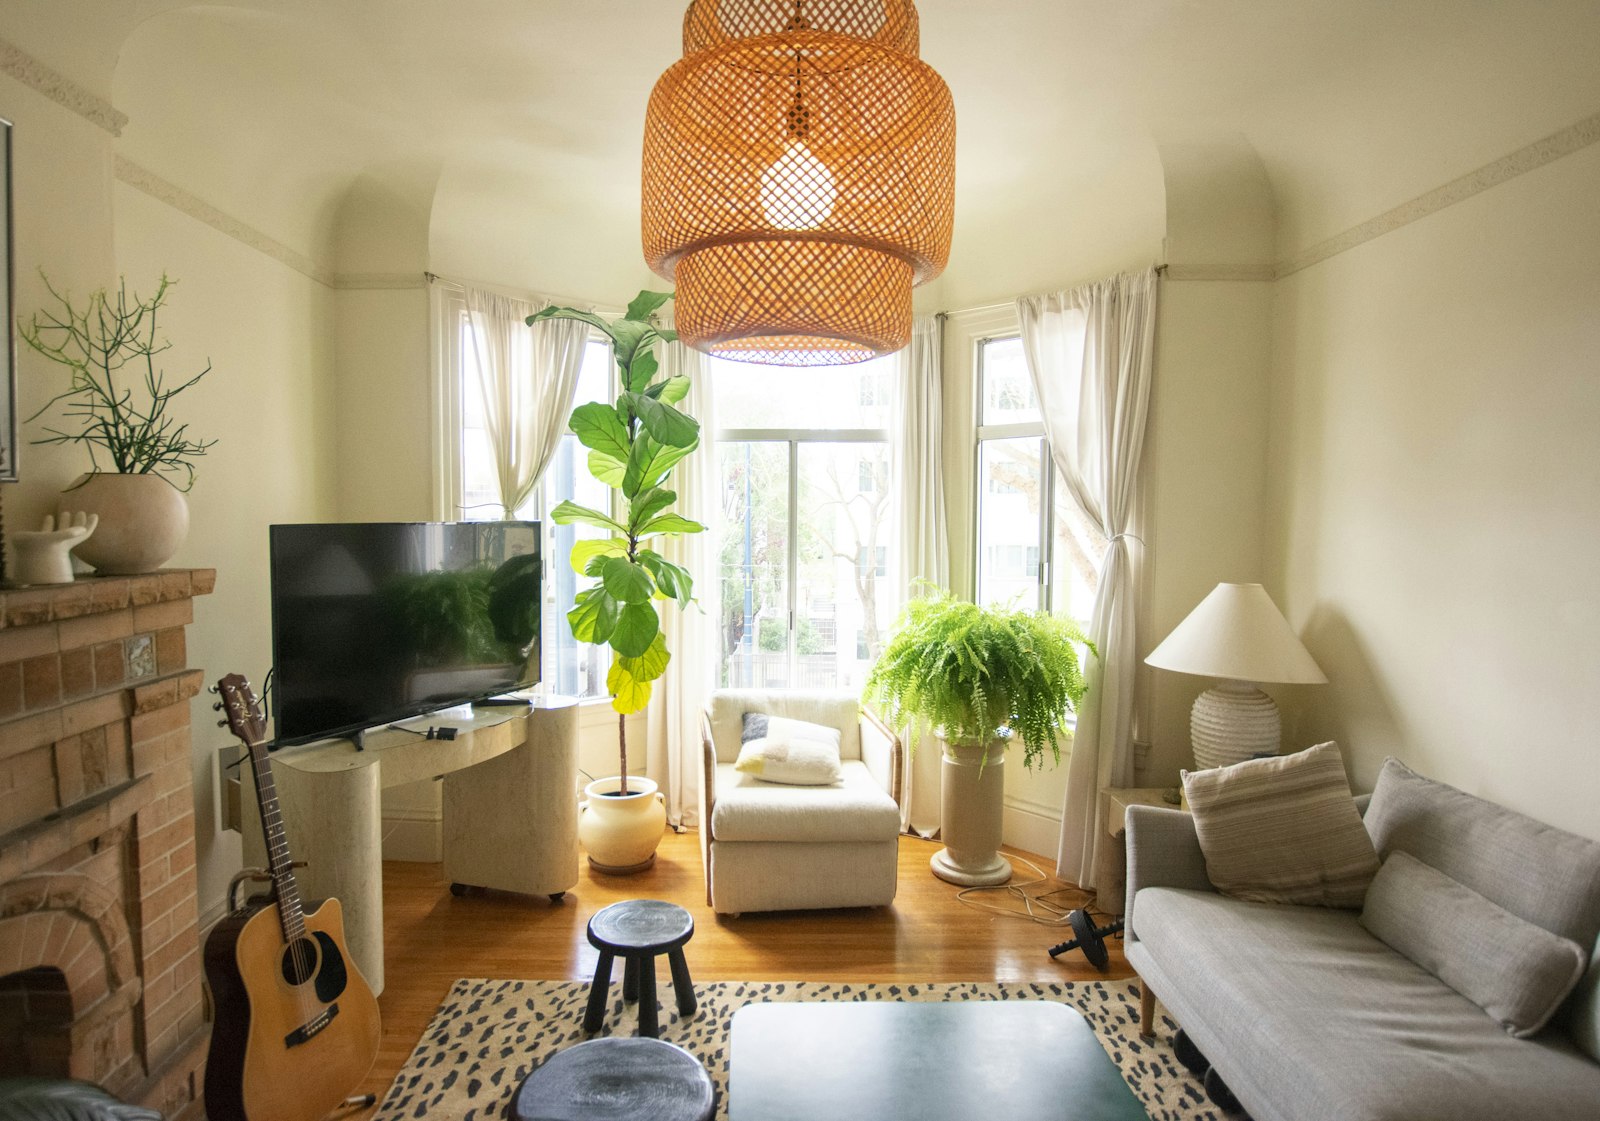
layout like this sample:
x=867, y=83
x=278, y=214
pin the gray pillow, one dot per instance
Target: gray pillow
x=1515, y=971
x=1583, y=1009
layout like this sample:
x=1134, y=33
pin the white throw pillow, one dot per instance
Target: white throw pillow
x=792, y=752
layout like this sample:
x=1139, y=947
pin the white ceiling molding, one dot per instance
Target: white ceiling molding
x=1221, y=272
x=201, y=211
x=1520, y=162
x=379, y=281
x=18, y=64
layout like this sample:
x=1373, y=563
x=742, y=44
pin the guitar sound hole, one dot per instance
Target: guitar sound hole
x=300, y=961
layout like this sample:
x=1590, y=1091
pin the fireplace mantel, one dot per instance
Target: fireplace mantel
x=99, y=931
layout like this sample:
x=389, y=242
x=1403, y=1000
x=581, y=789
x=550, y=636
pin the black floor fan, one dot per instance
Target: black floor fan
x=1088, y=938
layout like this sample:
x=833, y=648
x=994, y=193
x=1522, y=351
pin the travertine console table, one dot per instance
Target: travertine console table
x=510, y=810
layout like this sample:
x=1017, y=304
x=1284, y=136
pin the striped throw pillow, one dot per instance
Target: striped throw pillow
x=1283, y=830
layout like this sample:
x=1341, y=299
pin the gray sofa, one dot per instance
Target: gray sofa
x=1308, y=1017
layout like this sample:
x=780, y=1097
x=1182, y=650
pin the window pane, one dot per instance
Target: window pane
x=754, y=560
x=480, y=491
x=1007, y=389
x=843, y=603
x=857, y=396
x=1008, y=521
x=1079, y=549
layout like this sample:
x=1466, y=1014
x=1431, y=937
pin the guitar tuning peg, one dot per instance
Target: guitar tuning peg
x=213, y=690
x=222, y=723
x=217, y=707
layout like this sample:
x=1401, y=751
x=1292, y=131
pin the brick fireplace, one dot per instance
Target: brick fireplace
x=99, y=935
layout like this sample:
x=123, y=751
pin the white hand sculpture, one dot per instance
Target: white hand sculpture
x=41, y=557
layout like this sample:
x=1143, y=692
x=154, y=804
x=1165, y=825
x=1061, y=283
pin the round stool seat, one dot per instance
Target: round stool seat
x=640, y=926
x=616, y=1079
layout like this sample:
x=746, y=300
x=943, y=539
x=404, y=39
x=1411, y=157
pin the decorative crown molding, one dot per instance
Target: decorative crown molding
x=1221, y=272
x=1520, y=162
x=18, y=64
x=201, y=211
x=379, y=281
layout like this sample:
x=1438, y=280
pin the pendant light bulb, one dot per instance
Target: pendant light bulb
x=798, y=191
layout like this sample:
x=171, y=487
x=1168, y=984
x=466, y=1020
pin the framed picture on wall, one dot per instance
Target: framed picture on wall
x=8, y=337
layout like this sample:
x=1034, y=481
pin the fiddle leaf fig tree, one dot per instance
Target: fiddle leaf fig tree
x=633, y=447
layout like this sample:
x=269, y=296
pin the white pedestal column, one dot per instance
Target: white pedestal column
x=973, y=805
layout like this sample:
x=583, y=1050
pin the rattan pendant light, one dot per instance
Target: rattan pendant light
x=799, y=178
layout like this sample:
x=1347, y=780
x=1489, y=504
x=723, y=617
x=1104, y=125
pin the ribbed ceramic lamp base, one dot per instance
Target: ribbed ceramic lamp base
x=1232, y=722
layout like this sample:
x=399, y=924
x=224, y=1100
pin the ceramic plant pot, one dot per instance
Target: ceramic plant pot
x=973, y=801
x=143, y=521
x=621, y=833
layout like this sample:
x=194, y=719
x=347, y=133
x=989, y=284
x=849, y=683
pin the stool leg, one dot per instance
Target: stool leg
x=648, y=1023
x=630, y=977
x=681, y=983
x=595, y=1014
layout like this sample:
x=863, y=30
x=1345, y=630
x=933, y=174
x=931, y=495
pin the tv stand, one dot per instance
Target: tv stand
x=510, y=810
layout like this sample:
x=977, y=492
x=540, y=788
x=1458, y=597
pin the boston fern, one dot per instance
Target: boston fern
x=633, y=446
x=981, y=673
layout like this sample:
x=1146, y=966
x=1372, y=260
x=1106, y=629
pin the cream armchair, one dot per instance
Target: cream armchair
x=769, y=847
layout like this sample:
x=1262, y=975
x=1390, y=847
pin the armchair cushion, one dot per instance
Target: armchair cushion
x=832, y=709
x=856, y=809
x=795, y=752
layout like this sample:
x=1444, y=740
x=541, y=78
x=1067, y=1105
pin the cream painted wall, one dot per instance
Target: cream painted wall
x=267, y=331
x=384, y=405
x=1435, y=493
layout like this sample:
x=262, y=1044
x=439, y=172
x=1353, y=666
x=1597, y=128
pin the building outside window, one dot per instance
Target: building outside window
x=1036, y=548
x=806, y=499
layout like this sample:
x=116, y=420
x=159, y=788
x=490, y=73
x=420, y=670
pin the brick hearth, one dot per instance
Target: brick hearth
x=99, y=936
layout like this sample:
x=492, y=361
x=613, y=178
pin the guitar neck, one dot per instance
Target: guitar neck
x=290, y=911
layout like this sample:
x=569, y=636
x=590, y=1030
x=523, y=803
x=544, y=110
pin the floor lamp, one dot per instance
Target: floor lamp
x=1237, y=634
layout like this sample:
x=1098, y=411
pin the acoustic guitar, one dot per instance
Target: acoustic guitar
x=296, y=1024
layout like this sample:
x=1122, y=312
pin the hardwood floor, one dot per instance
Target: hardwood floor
x=433, y=937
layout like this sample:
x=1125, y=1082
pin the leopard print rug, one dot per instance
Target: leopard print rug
x=488, y=1035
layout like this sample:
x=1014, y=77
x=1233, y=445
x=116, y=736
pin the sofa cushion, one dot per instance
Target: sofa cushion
x=1516, y=972
x=1582, y=1014
x=1283, y=830
x=796, y=752
x=1310, y=1018
x=855, y=809
x=1539, y=873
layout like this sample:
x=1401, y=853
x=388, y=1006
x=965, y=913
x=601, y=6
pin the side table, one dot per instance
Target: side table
x=1111, y=873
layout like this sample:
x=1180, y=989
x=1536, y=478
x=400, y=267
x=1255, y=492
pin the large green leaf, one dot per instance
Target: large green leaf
x=670, y=523
x=637, y=627
x=648, y=504
x=665, y=424
x=628, y=338
x=628, y=694
x=646, y=304
x=652, y=665
x=588, y=317
x=625, y=580
x=642, y=370
x=594, y=615
x=590, y=547
x=569, y=512
x=649, y=463
x=671, y=391
x=674, y=581
x=597, y=428
x=607, y=469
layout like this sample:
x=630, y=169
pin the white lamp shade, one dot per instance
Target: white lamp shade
x=1237, y=632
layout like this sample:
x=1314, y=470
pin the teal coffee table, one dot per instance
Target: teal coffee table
x=1019, y=1060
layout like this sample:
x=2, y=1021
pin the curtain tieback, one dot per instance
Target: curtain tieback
x=1114, y=538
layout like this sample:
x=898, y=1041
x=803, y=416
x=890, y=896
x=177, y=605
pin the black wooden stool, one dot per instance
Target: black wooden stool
x=616, y=1079
x=637, y=930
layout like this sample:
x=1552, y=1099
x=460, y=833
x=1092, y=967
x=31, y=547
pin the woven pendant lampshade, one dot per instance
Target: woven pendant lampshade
x=799, y=178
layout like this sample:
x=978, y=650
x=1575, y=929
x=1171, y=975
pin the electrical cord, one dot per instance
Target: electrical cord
x=1041, y=907
x=434, y=732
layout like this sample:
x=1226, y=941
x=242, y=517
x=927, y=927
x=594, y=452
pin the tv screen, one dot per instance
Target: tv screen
x=377, y=622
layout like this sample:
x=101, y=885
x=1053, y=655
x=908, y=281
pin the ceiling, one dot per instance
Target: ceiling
x=509, y=130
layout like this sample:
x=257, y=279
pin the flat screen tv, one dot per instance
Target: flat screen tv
x=377, y=622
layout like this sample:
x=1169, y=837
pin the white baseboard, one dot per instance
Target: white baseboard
x=414, y=836
x=1026, y=826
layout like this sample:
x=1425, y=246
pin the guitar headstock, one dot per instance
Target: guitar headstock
x=245, y=716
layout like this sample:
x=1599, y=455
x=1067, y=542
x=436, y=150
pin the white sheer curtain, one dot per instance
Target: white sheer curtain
x=1091, y=353
x=673, y=733
x=528, y=375
x=922, y=543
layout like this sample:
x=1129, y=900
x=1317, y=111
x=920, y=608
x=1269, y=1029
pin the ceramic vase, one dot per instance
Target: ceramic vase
x=143, y=521
x=973, y=802
x=620, y=833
